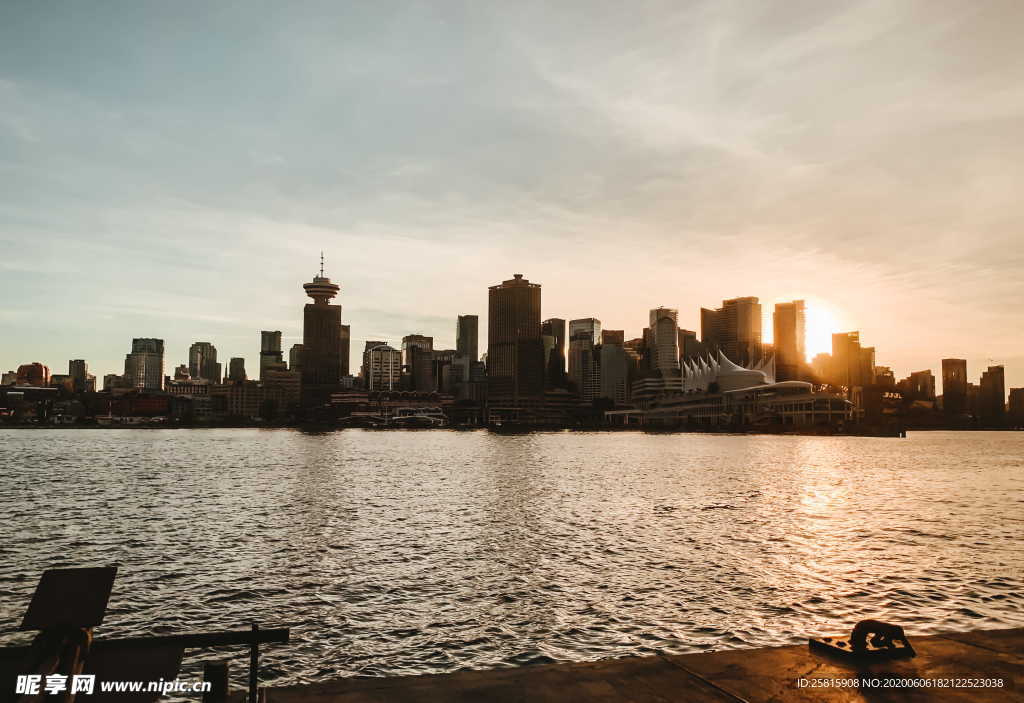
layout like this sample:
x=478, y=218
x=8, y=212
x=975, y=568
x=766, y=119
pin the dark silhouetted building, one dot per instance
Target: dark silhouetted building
x=954, y=386
x=734, y=328
x=418, y=357
x=34, y=374
x=553, y=336
x=515, y=347
x=584, y=335
x=467, y=337
x=344, y=349
x=321, y=332
x=236, y=369
x=1016, y=409
x=992, y=396
x=790, y=352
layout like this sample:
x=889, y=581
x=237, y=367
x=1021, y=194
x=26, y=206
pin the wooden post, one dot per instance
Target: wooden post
x=254, y=665
x=216, y=673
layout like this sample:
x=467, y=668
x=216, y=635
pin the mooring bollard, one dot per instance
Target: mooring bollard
x=216, y=673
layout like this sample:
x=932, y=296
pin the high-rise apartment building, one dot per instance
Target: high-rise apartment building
x=383, y=367
x=515, y=347
x=271, y=356
x=851, y=364
x=321, y=333
x=734, y=328
x=954, y=386
x=467, y=337
x=82, y=381
x=202, y=362
x=789, y=325
x=144, y=365
x=664, y=340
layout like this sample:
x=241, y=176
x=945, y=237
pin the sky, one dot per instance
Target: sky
x=173, y=170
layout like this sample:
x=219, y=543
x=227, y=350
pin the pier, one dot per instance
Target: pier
x=948, y=667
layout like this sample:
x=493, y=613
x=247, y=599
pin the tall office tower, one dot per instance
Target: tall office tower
x=664, y=340
x=613, y=369
x=236, y=369
x=418, y=353
x=345, y=349
x=584, y=335
x=553, y=336
x=954, y=386
x=383, y=367
x=885, y=377
x=442, y=370
x=78, y=370
x=295, y=358
x=321, y=330
x=846, y=360
x=790, y=351
x=739, y=333
x=271, y=356
x=515, y=347
x=689, y=346
x=466, y=337
x=613, y=337
x=144, y=365
x=709, y=329
x=992, y=396
x=202, y=362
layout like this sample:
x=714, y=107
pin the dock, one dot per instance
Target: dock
x=980, y=666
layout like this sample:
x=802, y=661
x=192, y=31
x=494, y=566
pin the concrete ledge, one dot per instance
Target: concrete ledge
x=752, y=675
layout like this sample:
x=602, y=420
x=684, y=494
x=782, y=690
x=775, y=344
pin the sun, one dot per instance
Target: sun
x=821, y=320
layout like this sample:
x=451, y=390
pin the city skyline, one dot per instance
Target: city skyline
x=686, y=162
x=274, y=340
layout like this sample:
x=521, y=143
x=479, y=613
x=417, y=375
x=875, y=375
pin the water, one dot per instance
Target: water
x=394, y=553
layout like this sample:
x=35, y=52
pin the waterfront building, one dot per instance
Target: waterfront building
x=382, y=367
x=344, y=349
x=515, y=349
x=789, y=324
x=144, y=365
x=954, y=387
x=181, y=372
x=992, y=396
x=187, y=386
x=613, y=370
x=112, y=381
x=202, y=362
x=584, y=335
x=321, y=332
x=443, y=370
x=82, y=381
x=885, y=377
x=418, y=354
x=9, y=378
x=34, y=374
x=714, y=391
x=271, y=356
x=364, y=367
x=1015, y=411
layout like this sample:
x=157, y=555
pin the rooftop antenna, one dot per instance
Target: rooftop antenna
x=321, y=263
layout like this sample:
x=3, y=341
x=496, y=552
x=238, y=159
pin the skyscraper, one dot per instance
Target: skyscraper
x=202, y=362
x=321, y=332
x=144, y=365
x=466, y=336
x=515, y=349
x=295, y=358
x=954, y=386
x=992, y=396
x=81, y=379
x=236, y=369
x=344, y=349
x=584, y=335
x=790, y=350
x=664, y=340
x=418, y=353
x=553, y=338
x=383, y=367
x=271, y=356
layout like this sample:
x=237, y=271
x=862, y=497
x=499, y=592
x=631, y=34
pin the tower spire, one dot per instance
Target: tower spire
x=321, y=263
